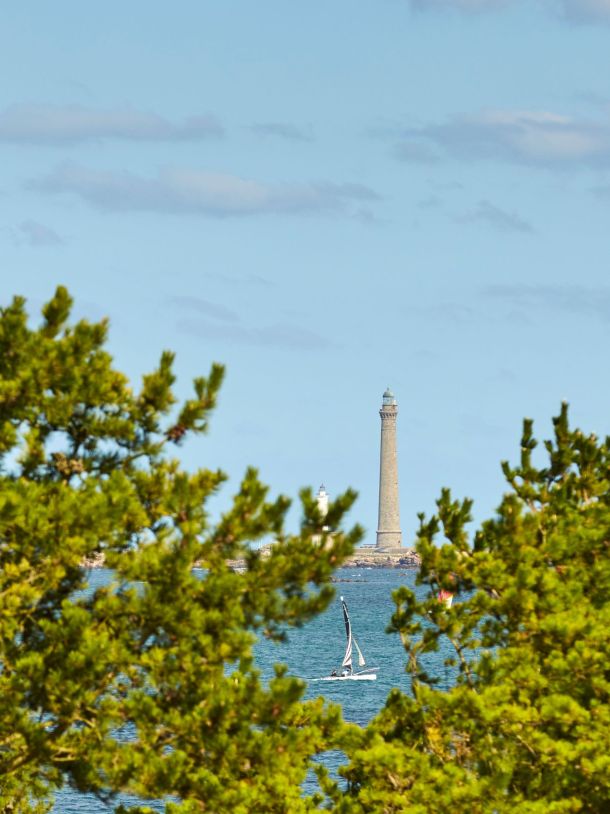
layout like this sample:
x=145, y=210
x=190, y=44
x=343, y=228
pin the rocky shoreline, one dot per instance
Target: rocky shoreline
x=367, y=558
x=407, y=558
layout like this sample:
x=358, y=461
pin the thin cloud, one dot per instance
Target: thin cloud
x=443, y=312
x=176, y=190
x=571, y=299
x=281, y=130
x=602, y=191
x=35, y=234
x=416, y=152
x=205, y=307
x=431, y=202
x=460, y=5
x=366, y=216
x=216, y=322
x=69, y=124
x=253, y=280
x=585, y=11
x=499, y=219
x=533, y=138
x=280, y=335
x=573, y=11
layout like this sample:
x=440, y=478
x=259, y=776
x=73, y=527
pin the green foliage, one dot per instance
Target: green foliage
x=161, y=653
x=526, y=726
x=164, y=654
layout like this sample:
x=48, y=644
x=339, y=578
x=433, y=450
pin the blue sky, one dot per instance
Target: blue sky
x=328, y=198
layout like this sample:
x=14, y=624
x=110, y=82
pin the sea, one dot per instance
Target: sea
x=313, y=651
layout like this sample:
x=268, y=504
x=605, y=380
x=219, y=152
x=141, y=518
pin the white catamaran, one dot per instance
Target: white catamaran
x=346, y=672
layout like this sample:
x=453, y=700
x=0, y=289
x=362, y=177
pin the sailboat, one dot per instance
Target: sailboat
x=346, y=673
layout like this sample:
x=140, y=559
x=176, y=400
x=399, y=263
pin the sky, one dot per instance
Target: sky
x=329, y=198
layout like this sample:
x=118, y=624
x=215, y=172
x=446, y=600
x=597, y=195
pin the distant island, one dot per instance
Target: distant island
x=363, y=557
x=374, y=558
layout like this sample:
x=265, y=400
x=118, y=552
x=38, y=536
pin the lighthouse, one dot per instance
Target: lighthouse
x=389, y=535
x=322, y=500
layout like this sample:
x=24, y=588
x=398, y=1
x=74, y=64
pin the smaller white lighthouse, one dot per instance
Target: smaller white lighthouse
x=322, y=498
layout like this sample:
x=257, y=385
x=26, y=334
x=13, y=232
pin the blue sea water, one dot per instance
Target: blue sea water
x=313, y=651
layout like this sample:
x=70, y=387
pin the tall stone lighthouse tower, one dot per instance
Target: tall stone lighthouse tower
x=388, y=525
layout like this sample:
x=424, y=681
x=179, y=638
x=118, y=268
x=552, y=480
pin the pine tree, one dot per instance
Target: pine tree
x=526, y=726
x=162, y=653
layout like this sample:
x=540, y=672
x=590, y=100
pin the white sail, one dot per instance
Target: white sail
x=361, y=661
x=347, y=658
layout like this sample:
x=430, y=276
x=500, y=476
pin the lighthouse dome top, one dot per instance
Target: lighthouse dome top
x=389, y=397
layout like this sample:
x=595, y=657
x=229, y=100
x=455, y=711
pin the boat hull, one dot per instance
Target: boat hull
x=364, y=675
